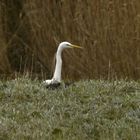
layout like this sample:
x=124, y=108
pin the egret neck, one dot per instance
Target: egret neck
x=58, y=66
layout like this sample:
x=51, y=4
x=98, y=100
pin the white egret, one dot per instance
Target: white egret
x=56, y=80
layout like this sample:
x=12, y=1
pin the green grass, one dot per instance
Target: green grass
x=88, y=110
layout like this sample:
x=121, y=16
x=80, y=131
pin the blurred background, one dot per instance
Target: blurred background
x=109, y=31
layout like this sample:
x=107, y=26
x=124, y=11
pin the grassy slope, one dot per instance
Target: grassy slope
x=87, y=110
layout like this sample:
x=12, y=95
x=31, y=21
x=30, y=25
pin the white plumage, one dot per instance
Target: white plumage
x=58, y=67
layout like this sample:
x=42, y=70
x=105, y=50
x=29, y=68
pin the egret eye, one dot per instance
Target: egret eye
x=68, y=45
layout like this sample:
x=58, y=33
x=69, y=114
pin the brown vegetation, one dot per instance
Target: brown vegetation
x=109, y=31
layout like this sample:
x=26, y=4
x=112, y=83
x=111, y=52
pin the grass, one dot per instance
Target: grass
x=92, y=109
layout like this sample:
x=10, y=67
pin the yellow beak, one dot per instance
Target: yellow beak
x=75, y=46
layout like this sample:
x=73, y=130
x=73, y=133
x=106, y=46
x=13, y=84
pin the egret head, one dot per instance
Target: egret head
x=66, y=44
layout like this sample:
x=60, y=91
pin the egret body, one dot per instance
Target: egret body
x=58, y=67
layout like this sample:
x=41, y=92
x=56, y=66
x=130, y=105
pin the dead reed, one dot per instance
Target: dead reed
x=108, y=30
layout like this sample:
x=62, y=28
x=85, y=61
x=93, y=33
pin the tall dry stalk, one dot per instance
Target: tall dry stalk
x=4, y=62
x=108, y=30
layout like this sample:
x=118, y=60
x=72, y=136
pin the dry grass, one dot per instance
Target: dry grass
x=108, y=30
x=87, y=110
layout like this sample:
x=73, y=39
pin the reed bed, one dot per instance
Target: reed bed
x=108, y=30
